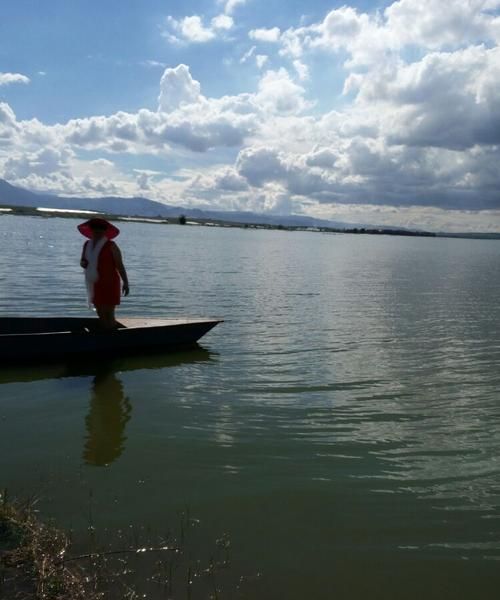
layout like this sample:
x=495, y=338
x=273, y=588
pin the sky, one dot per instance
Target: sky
x=382, y=113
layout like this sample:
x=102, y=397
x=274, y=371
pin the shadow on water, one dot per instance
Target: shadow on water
x=110, y=408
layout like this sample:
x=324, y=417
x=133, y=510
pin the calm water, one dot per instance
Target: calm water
x=343, y=424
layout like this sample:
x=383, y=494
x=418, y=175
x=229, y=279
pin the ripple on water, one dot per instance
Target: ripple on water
x=349, y=404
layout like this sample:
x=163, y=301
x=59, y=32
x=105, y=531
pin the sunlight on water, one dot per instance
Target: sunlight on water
x=346, y=415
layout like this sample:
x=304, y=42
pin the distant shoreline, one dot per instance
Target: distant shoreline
x=30, y=211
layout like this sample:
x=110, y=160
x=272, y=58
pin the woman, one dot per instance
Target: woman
x=102, y=261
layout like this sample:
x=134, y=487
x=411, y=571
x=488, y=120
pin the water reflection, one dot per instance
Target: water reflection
x=110, y=410
x=95, y=368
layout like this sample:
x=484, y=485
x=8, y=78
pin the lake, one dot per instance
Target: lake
x=342, y=425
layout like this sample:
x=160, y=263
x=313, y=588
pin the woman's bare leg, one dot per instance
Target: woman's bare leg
x=106, y=316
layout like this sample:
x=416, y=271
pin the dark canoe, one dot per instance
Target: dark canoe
x=51, y=338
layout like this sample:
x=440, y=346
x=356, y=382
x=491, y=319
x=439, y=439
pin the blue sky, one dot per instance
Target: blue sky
x=374, y=112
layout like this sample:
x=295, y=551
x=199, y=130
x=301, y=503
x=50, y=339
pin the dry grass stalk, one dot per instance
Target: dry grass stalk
x=32, y=558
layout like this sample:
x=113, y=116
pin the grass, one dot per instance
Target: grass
x=32, y=558
x=37, y=562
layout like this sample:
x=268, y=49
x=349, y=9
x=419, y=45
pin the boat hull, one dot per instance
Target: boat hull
x=36, y=339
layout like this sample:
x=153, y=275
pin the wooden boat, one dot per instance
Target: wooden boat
x=52, y=338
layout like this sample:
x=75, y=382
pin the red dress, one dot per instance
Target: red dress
x=107, y=287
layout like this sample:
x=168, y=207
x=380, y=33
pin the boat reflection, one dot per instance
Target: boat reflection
x=91, y=368
x=110, y=408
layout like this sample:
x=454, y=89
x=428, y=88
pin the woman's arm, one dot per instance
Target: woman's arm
x=120, y=267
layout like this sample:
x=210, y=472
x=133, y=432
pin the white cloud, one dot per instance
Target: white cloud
x=143, y=181
x=415, y=136
x=224, y=180
x=197, y=127
x=418, y=217
x=261, y=60
x=265, y=35
x=228, y=180
x=8, y=78
x=370, y=39
x=41, y=162
x=278, y=93
x=248, y=55
x=369, y=173
x=222, y=22
x=447, y=99
x=152, y=64
x=427, y=24
x=231, y=5
x=190, y=29
x=185, y=118
x=177, y=87
x=301, y=69
x=259, y=165
x=193, y=30
x=7, y=118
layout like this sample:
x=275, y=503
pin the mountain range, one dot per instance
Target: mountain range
x=143, y=207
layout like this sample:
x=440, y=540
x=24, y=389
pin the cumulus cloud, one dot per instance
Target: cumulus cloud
x=426, y=24
x=371, y=38
x=184, y=118
x=41, y=162
x=177, y=87
x=362, y=171
x=224, y=180
x=143, y=181
x=278, y=93
x=265, y=35
x=447, y=99
x=222, y=22
x=414, y=137
x=8, y=125
x=146, y=131
x=259, y=165
x=229, y=180
x=8, y=78
x=192, y=30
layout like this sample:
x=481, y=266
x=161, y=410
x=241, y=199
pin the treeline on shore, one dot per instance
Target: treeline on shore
x=185, y=220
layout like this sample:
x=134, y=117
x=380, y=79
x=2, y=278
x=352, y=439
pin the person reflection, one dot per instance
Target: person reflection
x=109, y=412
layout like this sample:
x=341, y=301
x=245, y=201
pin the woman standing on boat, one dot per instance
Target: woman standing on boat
x=102, y=261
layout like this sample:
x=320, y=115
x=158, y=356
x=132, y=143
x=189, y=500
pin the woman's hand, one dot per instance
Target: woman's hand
x=125, y=289
x=84, y=263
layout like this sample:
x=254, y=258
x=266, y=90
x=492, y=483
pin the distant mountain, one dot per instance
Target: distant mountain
x=143, y=207
x=16, y=196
